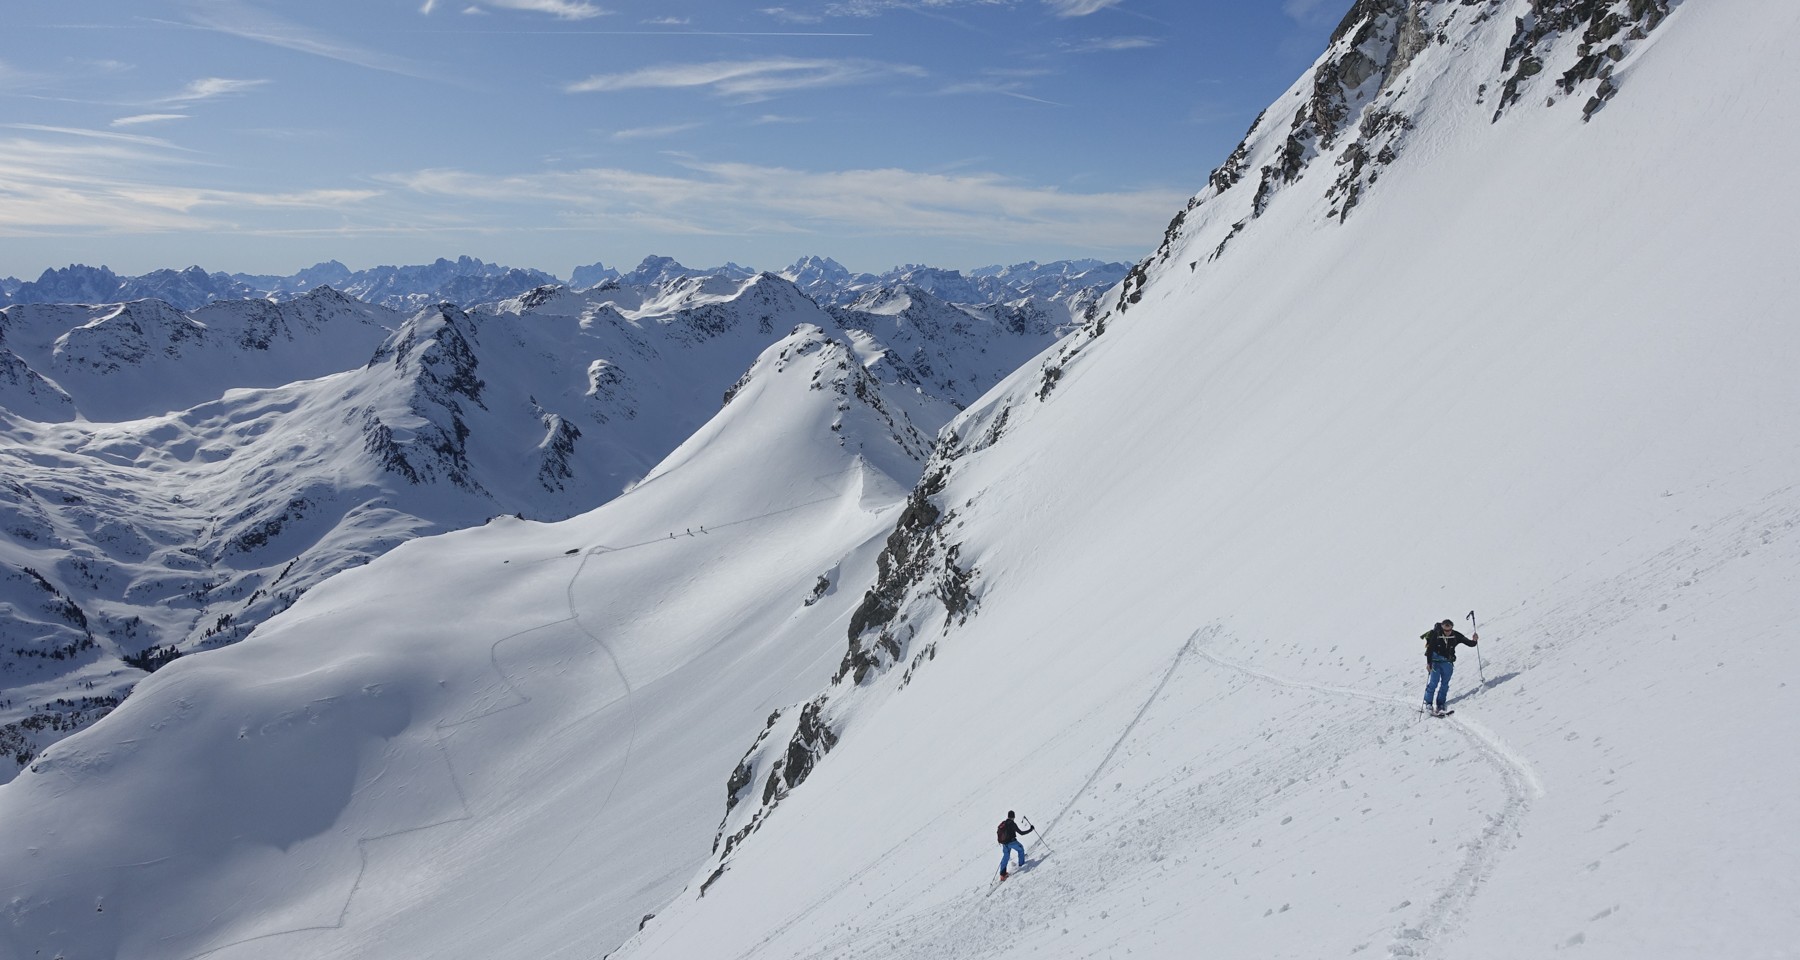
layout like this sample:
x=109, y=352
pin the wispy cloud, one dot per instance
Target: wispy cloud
x=87, y=134
x=136, y=119
x=875, y=8
x=668, y=21
x=997, y=87
x=747, y=79
x=655, y=133
x=1312, y=12
x=107, y=183
x=561, y=9
x=1080, y=8
x=748, y=200
x=237, y=19
x=212, y=88
x=1002, y=81
x=791, y=16
x=1109, y=44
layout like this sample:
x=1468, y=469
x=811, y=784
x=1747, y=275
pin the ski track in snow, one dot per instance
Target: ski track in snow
x=1124, y=735
x=822, y=483
x=1483, y=853
x=836, y=947
x=1171, y=806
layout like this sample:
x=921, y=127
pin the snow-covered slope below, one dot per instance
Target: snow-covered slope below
x=1541, y=372
x=508, y=741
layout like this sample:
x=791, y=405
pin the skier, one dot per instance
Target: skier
x=1440, y=661
x=1008, y=835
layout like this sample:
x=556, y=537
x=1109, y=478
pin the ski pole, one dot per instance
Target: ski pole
x=1476, y=630
x=1040, y=836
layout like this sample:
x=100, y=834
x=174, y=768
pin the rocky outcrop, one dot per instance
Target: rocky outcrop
x=434, y=352
x=1608, y=30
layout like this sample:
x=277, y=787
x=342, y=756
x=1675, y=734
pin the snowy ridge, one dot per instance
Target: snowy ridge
x=599, y=672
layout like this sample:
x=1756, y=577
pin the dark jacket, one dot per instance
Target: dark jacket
x=1440, y=644
x=1009, y=831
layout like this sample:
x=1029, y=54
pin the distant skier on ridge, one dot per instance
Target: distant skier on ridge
x=1441, y=642
x=1008, y=835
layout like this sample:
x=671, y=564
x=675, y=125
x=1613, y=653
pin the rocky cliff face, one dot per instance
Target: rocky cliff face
x=1353, y=114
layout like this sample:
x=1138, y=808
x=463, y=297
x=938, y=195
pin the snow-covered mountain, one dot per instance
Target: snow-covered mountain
x=1072, y=285
x=79, y=283
x=630, y=647
x=1159, y=590
x=177, y=478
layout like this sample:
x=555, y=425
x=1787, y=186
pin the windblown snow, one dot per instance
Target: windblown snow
x=1159, y=590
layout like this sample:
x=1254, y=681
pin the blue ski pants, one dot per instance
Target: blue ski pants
x=1007, y=850
x=1439, y=682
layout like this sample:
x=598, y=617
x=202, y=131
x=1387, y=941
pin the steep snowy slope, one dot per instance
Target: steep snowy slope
x=1162, y=593
x=508, y=741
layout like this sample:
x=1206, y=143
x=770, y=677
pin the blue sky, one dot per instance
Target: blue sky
x=263, y=137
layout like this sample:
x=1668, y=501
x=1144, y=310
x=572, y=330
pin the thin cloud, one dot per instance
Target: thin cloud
x=102, y=184
x=790, y=16
x=875, y=8
x=212, y=88
x=148, y=118
x=668, y=21
x=560, y=9
x=1311, y=12
x=96, y=135
x=236, y=19
x=1110, y=44
x=1002, y=88
x=1078, y=8
x=746, y=79
x=655, y=133
x=750, y=200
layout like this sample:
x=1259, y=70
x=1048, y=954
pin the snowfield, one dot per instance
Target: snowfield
x=1160, y=591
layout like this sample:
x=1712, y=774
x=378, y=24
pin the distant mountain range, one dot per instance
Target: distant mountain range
x=469, y=281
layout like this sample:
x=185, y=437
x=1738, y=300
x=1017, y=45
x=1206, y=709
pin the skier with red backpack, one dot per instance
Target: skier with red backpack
x=1008, y=834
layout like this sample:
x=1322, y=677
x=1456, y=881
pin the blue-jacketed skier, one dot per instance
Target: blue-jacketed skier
x=1008, y=835
x=1441, y=642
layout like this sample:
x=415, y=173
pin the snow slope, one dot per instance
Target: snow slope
x=481, y=743
x=1543, y=371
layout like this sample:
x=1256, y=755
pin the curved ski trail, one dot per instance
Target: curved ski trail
x=1483, y=853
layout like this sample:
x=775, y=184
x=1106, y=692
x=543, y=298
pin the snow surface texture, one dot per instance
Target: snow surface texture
x=133, y=534
x=1160, y=591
